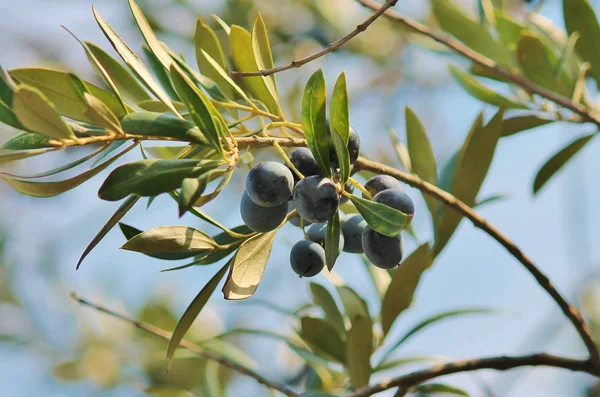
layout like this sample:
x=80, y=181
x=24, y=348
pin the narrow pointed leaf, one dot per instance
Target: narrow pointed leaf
x=314, y=120
x=134, y=62
x=323, y=298
x=7, y=87
x=8, y=117
x=114, y=219
x=516, y=124
x=162, y=125
x=160, y=73
x=38, y=114
x=248, y=266
x=358, y=351
x=556, y=162
x=400, y=293
x=57, y=86
x=148, y=34
x=380, y=217
x=206, y=198
x=481, y=92
x=101, y=115
x=440, y=388
x=262, y=48
x=332, y=240
x=176, y=239
x=580, y=17
x=190, y=314
x=208, y=46
x=191, y=189
x=7, y=156
x=323, y=338
x=26, y=141
x=340, y=126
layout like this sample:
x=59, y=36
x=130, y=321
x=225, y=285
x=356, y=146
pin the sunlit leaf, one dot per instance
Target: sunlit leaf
x=38, y=114
x=358, y=351
x=340, y=126
x=175, y=239
x=481, y=92
x=206, y=41
x=101, y=115
x=580, y=17
x=190, y=314
x=323, y=338
x=405, y=280
x=248, y=266
x=151, y=177
x=323, y=298
x=395, y=364
x=314, y=120
x=262, y=49
x=134, y=62
x=557, y=161
x=382, y=218
x=162, y=125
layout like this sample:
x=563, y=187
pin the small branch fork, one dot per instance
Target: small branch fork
x=151, y=329
x=332, y=47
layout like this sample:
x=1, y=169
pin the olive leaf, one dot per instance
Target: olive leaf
x=332, y=240
x=176, y=239
x=323, y=298
x=323, y=338
x=382, y=218
x=314, y=120
x=340, y=126
x=358, y=351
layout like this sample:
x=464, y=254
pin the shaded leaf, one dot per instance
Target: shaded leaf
x=340, y=126
x=358, y=351
x=323, y=298
x=314, y=120
x=7, y=87
x=206, y=198
x=167, y=392
x=36, y=113
x=440, y=388
x=211, y=383
x=57, y=86
x=481, y=92
x=161, y=74
x=133, y=62
x=6, y=156
x=513, y=125
x=248, y=266
x=323, y=338
x=170, y=239
x=114, y=219
x=382, y=218
x=151, y=177
x=8, y=117
x=191, y=189
x=50, y=189
x=190, y=314
x=556, y=162
x=332, y=240
x=404, y=283
x=101, y=115
x=580, y=17
x=354, y=305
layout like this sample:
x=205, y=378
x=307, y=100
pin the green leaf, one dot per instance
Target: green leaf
x=159, y=107
x=133, y=62
x=38, y=114
x=200, y=108
x=491, y=199
x=57, y=86
x=358, y=351
x=422, y=159
x=323, y=338
x=354, y=305
x=191, y=190
x=229, y=351
x=262, y=50
x=509, y=30
x=7, y=156
x=481, y=92
x=162, y=125
x=160, y=73
x=556, y=162
x=208, y=46
x=224, y=79
x=50, y=189
x=244, y=58
x=513, y=125
x=114, y=219
x=167, y=392
x=400, y=293
x=440, y=388
x=7, y=87
x=206, y=198
x=332, y=240
x=340, y=125
x=148, y=34
x=211, y=383
x=101, y=115
x=428, y=322
x=248, y=266
x=383, y=219
x=394, y=364
x=167, y=239
x=123, y=80
x=8, y=117
x=470, y=32
x=26, y=141
x=470, y=169
x=323, y=298
x=151, y=177
x=580, y=17
x=222, y=23
x=314, y=120
x=190, y=314
x=539, y=63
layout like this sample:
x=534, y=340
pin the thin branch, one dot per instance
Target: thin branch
x=586, y=113
x=151, y=329
x=570, y=311
x=332, y=47
x=500, y=363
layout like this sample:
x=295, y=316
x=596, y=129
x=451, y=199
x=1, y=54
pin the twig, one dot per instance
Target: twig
x=332, y=47
x=189, y=346
x=586, y=113
x=572, y=313
x=500, y=363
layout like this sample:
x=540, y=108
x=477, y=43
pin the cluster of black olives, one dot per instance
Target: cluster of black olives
x=272, y=190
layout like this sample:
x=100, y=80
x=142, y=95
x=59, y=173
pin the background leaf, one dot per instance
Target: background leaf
x=358, y=351
x=323, y=338
x=580, y=17
x=516, y=124
x=323, y=298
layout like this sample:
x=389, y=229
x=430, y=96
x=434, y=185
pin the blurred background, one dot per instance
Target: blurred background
x=51, y=346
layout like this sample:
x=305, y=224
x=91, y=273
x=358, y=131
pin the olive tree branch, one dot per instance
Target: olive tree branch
x=332, y=47
x=500, y=363
x=583, y=111
x=151, y=329
x=570, y=311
